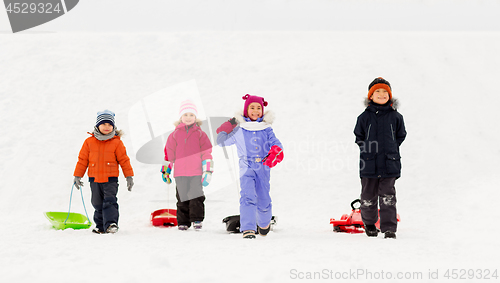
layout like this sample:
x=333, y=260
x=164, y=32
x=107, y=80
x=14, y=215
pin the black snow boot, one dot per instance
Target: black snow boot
x=390, y=235
x=249, y=234
x=112, y=228
x=371, y=230
x=98, y=231
x=264, y=231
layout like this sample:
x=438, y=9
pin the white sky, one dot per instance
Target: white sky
x=282, y=15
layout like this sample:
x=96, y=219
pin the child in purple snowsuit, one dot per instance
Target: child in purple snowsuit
x=258, y=150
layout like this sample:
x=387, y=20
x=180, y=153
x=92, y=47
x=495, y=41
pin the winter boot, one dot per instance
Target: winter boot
x=98, y=231
x=112, y=228
x=197, y=225
x=390, y=235
x=183, y=227
x=371, y=230
x=264, y=231
x=249, y=234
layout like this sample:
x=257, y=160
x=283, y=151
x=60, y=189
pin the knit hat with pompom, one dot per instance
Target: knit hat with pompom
x=249, y=99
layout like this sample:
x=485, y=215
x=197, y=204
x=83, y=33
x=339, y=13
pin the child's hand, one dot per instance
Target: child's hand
x=78, y=182
x=274, y=156
x=228, y=126
x=207, y=167
x=166, y=170
x=206, y=178
x=130, y=183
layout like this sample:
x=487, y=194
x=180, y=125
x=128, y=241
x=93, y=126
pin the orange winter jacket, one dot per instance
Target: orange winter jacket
x=102, y=159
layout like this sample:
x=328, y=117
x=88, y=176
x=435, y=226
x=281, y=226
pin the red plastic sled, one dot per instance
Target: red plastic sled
x=352, y=223
x=164, y=217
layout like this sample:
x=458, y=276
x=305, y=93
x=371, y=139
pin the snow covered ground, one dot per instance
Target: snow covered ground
x=52, y=85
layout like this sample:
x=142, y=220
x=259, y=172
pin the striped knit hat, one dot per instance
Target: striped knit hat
x=379, y=83
x=187, y=106
x=105, y=116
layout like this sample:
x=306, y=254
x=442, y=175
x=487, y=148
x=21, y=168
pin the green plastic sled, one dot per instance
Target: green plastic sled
x=75, y=220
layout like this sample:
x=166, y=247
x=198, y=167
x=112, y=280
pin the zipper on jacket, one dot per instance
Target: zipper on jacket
x=368, y=136
x=187, y=132
x=392, y=132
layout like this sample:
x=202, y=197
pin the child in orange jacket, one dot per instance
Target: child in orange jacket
x=101, y=153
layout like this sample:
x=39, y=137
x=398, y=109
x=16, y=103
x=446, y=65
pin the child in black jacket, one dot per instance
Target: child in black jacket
x=379, y=131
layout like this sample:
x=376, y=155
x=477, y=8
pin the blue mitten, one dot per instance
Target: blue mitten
x=207, y=167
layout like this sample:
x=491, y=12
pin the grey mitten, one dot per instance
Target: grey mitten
x=78, y=182
x=130, y=183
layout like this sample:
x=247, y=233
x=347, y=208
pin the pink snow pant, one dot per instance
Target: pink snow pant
x=255, y=201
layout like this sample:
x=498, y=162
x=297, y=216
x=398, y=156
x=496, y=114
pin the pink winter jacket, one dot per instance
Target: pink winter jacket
x=187, y=148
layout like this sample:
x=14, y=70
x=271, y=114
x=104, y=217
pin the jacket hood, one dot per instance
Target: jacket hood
x=394, y=103
x=268, y=117
x=198, y=122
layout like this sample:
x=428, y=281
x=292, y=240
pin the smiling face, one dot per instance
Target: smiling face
x=188, y=118
x=254, y=111
x=380, y=96
x=105, y=128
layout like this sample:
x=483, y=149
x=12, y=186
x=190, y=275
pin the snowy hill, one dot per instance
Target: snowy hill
x=53, y=84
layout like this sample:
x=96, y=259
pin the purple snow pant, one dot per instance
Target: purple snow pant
x=372, y=190
x=255, y=201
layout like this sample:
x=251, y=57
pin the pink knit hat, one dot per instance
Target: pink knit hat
x=251, y=99
x=187, y=106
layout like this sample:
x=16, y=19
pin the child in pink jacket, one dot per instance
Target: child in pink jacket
x=189, y=152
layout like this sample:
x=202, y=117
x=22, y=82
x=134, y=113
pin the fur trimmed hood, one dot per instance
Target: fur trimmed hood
x=394, y=103
x=268, y=117
x=119, y=133
x=198, y=122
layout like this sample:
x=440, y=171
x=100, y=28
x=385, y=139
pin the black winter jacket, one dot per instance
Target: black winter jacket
x=379, y=131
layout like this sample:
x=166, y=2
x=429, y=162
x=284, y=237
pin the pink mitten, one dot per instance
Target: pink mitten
x=227, y=126
x=274, y=156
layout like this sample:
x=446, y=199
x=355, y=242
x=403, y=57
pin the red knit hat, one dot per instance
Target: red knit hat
x=379, y=83
x=251, y=99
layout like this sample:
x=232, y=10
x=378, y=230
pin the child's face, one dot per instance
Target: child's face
x=254, y=111
x=188, y=118
x=105, y=128
x=380, y=96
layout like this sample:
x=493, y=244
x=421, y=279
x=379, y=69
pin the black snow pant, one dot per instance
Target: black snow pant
x=377, y=191
x=190, y=200
x=105, y=203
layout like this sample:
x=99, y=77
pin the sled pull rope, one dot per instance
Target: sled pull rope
x=356, y=201
x=70, y=197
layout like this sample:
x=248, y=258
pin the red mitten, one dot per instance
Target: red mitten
x=274, y=156
x=227, y=126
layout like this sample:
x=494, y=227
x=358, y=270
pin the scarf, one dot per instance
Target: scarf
x=254, y=126
x=98, y=135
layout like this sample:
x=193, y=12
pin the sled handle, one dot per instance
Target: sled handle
x=69, y=210
x=354, y=202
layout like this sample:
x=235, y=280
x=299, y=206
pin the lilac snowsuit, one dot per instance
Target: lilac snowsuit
x=253, y=141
